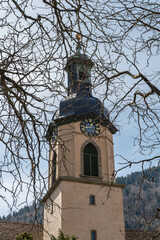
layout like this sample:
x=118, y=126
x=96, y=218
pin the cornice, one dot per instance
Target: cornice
x=80, y=180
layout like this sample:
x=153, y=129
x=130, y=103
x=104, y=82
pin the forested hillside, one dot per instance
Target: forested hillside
x=26, y=214
x=141, y=201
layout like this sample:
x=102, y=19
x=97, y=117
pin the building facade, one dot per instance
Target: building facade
x=83, y=198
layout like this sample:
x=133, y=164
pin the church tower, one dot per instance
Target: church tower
x=82, y=199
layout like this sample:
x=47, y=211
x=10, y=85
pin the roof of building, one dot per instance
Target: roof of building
x=78, y=105
x=133, y=234
x=9, y=230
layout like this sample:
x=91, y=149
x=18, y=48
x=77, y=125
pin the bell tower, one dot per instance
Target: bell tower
x=83, y=199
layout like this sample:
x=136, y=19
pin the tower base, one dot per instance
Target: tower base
x=69, y=207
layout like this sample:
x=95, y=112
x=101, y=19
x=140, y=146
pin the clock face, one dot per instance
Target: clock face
x=89, y=127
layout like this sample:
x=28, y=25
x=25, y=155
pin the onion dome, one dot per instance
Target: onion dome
x=80, y=103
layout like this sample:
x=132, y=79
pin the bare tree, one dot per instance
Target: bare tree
x=121, y=37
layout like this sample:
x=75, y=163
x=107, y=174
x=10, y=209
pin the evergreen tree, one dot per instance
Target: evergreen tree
x=62, y=236
x=24, y=236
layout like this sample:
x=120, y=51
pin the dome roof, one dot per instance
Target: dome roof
x=79, y=106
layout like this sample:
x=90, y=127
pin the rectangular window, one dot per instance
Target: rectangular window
x=93, y=235
x=92, y=200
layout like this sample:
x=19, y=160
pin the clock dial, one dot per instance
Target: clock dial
x=89, y=127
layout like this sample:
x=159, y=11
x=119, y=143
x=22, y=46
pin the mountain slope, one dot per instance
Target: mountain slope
x=26, y=214
x=141, y=199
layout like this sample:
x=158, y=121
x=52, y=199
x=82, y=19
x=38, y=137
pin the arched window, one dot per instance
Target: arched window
x=90, y=160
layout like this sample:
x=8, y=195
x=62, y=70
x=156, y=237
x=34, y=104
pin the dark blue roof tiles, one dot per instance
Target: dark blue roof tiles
x=78, y=105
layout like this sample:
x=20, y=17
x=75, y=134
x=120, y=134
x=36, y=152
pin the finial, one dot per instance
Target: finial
x=78, y=37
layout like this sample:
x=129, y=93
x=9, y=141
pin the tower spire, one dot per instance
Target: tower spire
x=78, y=68
x=78, y=48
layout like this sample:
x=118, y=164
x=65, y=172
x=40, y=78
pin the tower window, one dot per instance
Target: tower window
x=83, y=73
x=92, y=200
x=93, y=235
x=82, y=76
x=90, y=160
x=54, y=167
